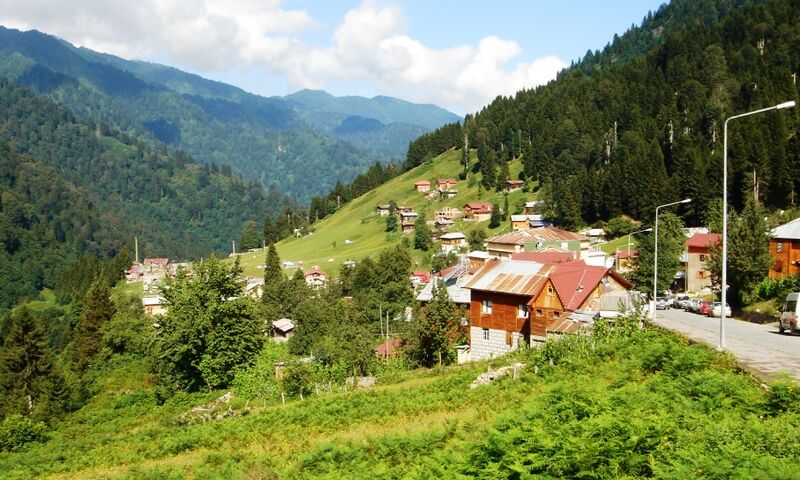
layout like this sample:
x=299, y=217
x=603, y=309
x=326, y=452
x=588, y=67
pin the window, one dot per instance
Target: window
x=702, y=258
x=509, y=338
x=486, y=306
x=549, y=289
x=539, y=312
x=556, y=314
x=522, y=311
x=779, y=247
x=701, y=274
x=486, y=334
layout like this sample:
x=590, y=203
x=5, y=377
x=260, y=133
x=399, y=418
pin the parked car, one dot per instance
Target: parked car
x=662, y=303
x=682, y=301
x=693, y=305
x=716, y=310
x=705, y=307
x=789, y=315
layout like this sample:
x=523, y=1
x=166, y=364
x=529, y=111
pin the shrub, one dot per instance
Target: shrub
x=17, y=431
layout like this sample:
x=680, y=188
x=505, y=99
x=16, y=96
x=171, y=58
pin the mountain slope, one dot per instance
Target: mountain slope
x=69, y=189
x=267, y=139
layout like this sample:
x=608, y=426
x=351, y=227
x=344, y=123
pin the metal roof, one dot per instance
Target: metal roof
x=520, y=237
x=284, y=325
x=453, y=236
x=510, y=276
x=457, y=294
x=789, y=231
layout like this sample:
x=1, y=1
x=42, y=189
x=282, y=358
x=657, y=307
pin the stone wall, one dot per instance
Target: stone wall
x=481, y=349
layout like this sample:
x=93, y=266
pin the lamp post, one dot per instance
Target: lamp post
x=655, y=255
x=631, y=235
x=724, y=286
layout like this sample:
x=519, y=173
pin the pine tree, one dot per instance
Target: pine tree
x=249, y=237
x=422, y=234
x=489, y=169
x=503, y=175
x=30, y=383
x=269, y=230
x=274, y=284
x=496, y=218
x=97, y=311
x=436, y=329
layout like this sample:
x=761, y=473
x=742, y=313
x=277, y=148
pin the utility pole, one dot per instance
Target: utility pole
x=136, y=247
x=233, y=246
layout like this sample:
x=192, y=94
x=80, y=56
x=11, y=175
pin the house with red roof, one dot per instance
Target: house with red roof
x=315, y=277
x=517, y=302
x=389, y=348
x=477, y=211
x=446, y=183
x=513, y=185
x=698, y=276
x=422, y=186
x=420, y=277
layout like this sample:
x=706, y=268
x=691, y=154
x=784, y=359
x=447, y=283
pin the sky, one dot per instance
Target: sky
x=456, y=54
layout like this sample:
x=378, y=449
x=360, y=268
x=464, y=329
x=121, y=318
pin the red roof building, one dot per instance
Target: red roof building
x=420, y=277
x=698, y=276
x=388, y=348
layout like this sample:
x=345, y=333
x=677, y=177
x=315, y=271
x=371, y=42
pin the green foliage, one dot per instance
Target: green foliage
x=436, y=330
x=748, y=253
x=298, y=379
x=475, y=238
x=391, y=222
x=671, y=241
x=250, y=237
x=618, y=227
x=259, y=380
x=496, y=217
x=97, y=312
x=210, y=330
x=128, y=331
x=30, y=381
x=16, y=431
x=423, y=239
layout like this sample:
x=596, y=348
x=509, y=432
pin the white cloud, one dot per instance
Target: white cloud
x=369, y=47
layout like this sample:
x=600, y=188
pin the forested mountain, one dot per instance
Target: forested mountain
x=272, y=140
x=623, y=139
x=70, y=191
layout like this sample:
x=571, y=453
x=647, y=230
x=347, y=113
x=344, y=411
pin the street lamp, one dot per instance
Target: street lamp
x=655, y=255
x=634, y=233
x=780, y=106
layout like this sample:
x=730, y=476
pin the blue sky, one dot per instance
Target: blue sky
x=455, y=54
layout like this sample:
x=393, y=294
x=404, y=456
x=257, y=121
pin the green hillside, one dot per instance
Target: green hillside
x=358, y=222
x=622, y=404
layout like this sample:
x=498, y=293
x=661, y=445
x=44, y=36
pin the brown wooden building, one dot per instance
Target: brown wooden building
x=784, y=247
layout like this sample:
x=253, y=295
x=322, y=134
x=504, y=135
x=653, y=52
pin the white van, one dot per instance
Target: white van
x=788, y=320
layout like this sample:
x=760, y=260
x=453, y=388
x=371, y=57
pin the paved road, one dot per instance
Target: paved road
x=758, y=348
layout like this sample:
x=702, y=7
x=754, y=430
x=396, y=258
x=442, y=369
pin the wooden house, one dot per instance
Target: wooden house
x=513, y=185
x=533, y=207
x=154, y=306
x=282, y=330
x=697, y=274
x=383, y=210
x=449, y=213
x=407, y=221
x=477, y=211
x=535, y=239
x=422, y=186
x=452, y=241
x=446, y=183
x=315, y=277
x=784, y=247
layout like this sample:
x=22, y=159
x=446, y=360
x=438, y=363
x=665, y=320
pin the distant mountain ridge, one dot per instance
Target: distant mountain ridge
x=275, y=140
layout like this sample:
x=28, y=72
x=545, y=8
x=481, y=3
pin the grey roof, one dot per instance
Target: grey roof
x=284, y=325
x=789, y=231
x=456, y=293
x=151, y=301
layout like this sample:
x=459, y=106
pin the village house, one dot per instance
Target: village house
x=513, y=185
x=784, y=247
x=154, y=306
x=445, y=183
x=135, y=272
x=533, y=207
x=625, y=260
x=448, y=213
x=407, y=221
x=254, y=288
x=477, y=259
x=422, y=186
x=383, y=210
x=389, y=348
x=546, y=256
x=477, y=211
x=315, y=277
x=536, y=239
x=282, y=330
x=420, y=277
x=448, y=194
x=514, y=302
x=525, y=222
x=443, y=223
x=697, y=275
x=452, y=241
x=403, y=209
x=594, y=234
x=156, y=264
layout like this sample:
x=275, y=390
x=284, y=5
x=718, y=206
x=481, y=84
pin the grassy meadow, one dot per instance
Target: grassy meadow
x=355, y=231
x=622, y=404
